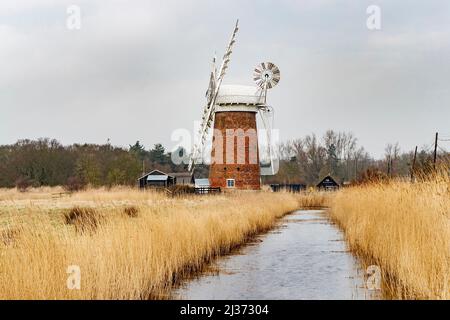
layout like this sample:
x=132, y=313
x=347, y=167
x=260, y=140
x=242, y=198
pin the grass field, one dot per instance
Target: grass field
x=127, y=244
x=405, y=229
x=135, y=245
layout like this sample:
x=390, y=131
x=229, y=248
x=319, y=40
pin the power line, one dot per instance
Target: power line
x=442, y=149
x=428, y=147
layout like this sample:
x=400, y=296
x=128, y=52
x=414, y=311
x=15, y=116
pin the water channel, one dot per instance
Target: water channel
x=305, y=257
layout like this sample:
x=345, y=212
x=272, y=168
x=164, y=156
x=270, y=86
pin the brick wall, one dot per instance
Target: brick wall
x=235, y=152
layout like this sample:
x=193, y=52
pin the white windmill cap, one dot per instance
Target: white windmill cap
x=239, y=94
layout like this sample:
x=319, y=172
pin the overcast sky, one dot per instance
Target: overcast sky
x=137, y=70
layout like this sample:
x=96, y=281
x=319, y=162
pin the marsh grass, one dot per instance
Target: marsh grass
x=131, y=211
x=130, y=253
x=405, y=229
x=84, y=219
x=315, y=199
x=9, y=236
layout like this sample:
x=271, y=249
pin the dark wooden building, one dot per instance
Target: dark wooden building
x=328, y=184
x=156, y=179
x=296, y=187
x=159, y=179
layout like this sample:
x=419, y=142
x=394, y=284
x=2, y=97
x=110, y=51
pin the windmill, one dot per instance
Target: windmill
x=233, y=109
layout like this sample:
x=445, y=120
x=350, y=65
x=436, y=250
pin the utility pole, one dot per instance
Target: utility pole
x=143, y=167
x=389, y=165
x=413, y=165
x=392, y=167
x=435, y=150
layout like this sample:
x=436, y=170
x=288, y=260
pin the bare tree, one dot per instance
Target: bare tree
x=391, y=152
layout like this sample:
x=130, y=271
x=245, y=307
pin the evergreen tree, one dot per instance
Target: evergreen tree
x=138, y=150
x=158, y=155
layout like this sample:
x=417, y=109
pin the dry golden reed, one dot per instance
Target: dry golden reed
x=133, y=253
x=131, y=211
x=405, y=229
x=84, y=219
x=315, y=199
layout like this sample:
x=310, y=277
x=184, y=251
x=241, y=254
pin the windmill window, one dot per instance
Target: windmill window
x=230, y=183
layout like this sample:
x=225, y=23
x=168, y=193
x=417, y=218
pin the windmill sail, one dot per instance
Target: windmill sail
x=212, y=82
x=213, y=91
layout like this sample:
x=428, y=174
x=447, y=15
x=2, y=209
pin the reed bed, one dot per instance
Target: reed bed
x=127, y=244
x=405, y=229
x=315, y=199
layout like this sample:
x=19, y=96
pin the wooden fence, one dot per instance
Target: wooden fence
x=207, y=190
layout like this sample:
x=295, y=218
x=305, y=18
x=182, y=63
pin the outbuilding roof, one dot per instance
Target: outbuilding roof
x=157, y=177
x=154, y=173
x=328, y=181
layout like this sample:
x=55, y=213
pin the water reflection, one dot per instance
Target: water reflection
x=304, y=258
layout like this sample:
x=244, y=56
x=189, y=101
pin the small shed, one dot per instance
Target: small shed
x=202, y=183
x=328, y=184
x=156, y=179
x=182, y=178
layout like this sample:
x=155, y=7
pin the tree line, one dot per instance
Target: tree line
x=46, y=162
x=307, y=160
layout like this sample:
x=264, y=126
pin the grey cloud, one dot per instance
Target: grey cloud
x=138, y=70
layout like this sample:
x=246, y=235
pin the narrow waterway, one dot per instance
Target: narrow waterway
x=305, y=257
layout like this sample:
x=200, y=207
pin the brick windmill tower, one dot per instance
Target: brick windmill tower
x=235, y=159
